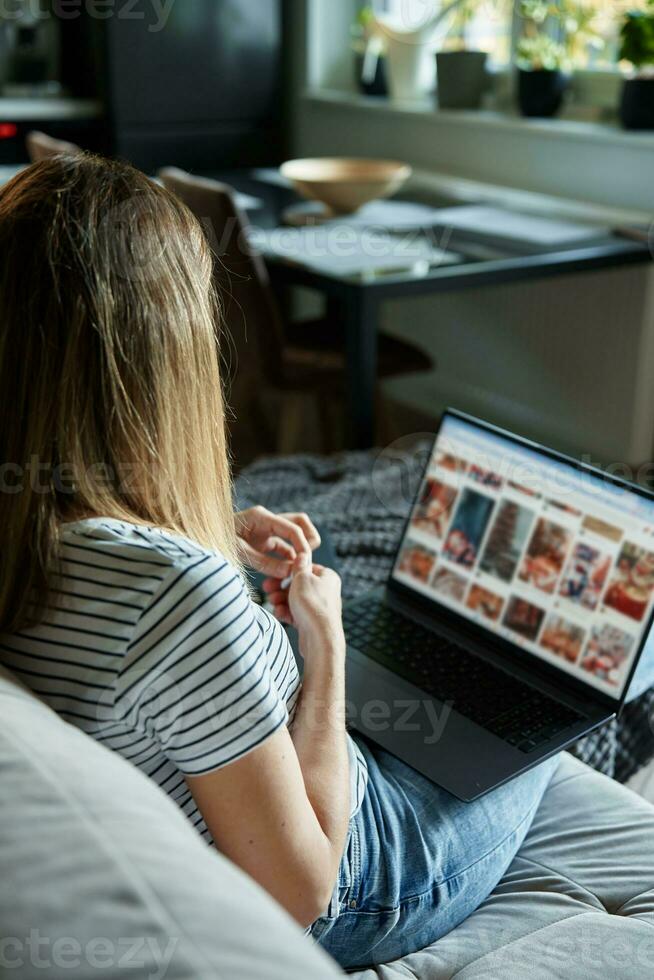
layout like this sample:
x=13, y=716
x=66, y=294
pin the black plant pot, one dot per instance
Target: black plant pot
x=462, y=79
x=637, y=103
x=377, y=85
x=540, y=92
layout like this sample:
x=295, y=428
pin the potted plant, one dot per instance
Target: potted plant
x=409, y=43
x=637, y=47
x=556, y=36
x=461, y=71
x=541, y=78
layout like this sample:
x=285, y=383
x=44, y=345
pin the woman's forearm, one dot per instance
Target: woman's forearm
x=319, y=734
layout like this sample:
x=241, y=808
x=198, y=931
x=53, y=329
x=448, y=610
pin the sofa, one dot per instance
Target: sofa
x=102, y=875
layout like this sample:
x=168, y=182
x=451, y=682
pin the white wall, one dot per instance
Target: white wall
x=584, y=162
x=568, y=362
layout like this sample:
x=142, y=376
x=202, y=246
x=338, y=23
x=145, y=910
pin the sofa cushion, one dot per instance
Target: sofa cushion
x=101, y=874
x=577, y=901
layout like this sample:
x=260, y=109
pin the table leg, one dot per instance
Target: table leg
x=360, y=314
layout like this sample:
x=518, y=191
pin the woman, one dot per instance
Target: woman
x=122, y=603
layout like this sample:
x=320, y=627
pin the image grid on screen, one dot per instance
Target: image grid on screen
x=553, y=559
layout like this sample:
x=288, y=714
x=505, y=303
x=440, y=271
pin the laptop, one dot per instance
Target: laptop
x=520, y=599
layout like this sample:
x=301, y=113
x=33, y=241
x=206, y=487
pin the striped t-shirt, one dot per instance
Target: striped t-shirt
x=151, y=644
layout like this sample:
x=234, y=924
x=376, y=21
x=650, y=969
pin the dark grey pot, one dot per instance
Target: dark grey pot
x=462, y=79
x=637, y=103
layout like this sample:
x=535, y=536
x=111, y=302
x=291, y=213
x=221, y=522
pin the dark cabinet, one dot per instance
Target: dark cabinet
x=200, y=87
x=203, y=91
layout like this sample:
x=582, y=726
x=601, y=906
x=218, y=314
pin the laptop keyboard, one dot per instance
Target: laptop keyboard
x=487, y=695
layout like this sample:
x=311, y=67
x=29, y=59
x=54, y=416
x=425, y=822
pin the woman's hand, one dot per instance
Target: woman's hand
x=271, y=543
x=312, y=600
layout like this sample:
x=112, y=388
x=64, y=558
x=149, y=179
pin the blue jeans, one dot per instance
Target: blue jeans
x=418, y=861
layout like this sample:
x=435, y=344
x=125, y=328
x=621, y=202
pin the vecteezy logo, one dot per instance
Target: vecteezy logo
x=397, y=470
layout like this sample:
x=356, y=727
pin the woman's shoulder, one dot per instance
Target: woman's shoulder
x=137, y=544
x=149, y=566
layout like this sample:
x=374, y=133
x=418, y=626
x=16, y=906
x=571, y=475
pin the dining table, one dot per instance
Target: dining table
x=435, y=258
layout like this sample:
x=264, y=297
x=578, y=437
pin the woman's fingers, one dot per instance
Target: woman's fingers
x=281, y=548
x=308, y=527
x=276, y=544
x=291, y=532
x=277, y=568
x=288, y=534
x=278, y=598
x=283, y=613
x=277, y=548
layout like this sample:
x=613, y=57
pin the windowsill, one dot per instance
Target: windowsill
x=582, y=170
x=511, y=123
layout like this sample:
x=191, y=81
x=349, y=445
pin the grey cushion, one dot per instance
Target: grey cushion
x=100, y=874
x=577, y=902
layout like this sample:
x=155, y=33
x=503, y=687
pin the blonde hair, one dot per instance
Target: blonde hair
x=108, y=369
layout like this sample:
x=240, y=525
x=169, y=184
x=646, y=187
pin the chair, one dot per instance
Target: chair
x=40, y=146
x=299, y=361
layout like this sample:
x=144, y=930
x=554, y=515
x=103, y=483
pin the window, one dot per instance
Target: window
x=481, y=24
x=590, y=29
x=587, y=30
x=488, y=26
x=608, y=18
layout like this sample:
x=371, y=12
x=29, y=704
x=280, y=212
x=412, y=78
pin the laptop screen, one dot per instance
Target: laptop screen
x=553, y=558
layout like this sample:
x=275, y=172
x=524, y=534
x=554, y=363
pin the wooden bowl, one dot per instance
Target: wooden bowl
x=344, y=184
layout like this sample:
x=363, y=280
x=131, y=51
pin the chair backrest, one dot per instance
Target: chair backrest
x=250, y=309
x=40, y=146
